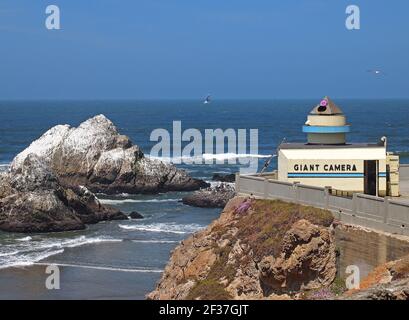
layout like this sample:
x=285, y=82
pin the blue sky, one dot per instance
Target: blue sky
x=141, y=49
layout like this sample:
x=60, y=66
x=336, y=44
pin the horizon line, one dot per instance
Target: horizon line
x=193, y=99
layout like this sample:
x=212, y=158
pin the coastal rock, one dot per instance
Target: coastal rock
x=224, y=177
x=212, y=197
x=240, y=254
x=135, y=215
x=96, y=156
x=33, y=200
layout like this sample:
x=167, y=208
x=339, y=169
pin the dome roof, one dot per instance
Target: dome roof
x=326, y=107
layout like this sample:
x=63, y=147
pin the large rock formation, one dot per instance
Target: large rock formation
x=257, y=249
x=96, y=156
x=212, y=197
x=33, y=200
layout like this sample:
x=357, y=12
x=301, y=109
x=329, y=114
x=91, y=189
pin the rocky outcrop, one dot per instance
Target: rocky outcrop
x=257, y=249
x=306, y=261
x=96, y=156
x=135, y=215
x=224, y=177
x=33, y=200
x=212, y=197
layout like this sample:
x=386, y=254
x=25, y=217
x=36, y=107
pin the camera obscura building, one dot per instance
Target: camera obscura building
x=327, y=160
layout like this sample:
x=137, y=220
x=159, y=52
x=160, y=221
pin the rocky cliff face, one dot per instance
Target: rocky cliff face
x=33, y=200
x=96, y=156
x=257, y=249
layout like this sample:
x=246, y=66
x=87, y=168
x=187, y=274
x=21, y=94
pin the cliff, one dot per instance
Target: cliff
x=257, y=249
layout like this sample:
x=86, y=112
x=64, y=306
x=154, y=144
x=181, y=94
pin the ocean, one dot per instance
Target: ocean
x=124, y=259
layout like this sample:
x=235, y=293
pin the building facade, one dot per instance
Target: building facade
x=327, y=160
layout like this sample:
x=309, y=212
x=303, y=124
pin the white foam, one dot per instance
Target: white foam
x=104, y=268
x=26, y=252
x=155, y=241
x=25, y=239
x=163, y=227
x=27, y=260
x=208, y=156
x=7, y=254
x=227, y=156
x=119, y=201
x=214, y=184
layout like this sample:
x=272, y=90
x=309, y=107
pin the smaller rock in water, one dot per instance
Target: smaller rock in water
x=224, y=177
x=135, y=215
x=213, y=197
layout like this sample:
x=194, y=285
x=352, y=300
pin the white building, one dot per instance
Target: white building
x=327, y=160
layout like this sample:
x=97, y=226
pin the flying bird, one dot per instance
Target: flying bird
x=376, y=72
x=207, y=100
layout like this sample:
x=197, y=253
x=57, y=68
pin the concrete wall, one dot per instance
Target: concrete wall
x=404, y=171
x=368, y=211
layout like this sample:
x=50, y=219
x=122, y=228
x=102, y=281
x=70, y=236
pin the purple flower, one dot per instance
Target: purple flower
x=243, y=207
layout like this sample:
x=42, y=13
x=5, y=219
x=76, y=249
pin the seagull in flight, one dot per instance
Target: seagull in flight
x=207, y=100
x=376, y=72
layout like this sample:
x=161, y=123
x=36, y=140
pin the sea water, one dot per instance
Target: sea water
x=124, y=259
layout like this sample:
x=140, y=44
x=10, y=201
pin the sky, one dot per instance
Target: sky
x=241, y=49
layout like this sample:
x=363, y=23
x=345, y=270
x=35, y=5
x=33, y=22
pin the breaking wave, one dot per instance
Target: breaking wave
x=210, y=156
x=119, y=201
x=28, y=251
x=103, y=268
x=164, y=227
x=25, y=239
x=155, y=241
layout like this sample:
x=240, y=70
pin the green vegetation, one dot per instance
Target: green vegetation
x=211, y=288
x=208, y=289
x=271, y=219
x=338, y=287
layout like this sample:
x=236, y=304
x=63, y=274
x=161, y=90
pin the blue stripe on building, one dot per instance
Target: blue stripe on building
x=331, y=175
x=326, y=129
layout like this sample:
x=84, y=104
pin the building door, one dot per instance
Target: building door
x=371, y=177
